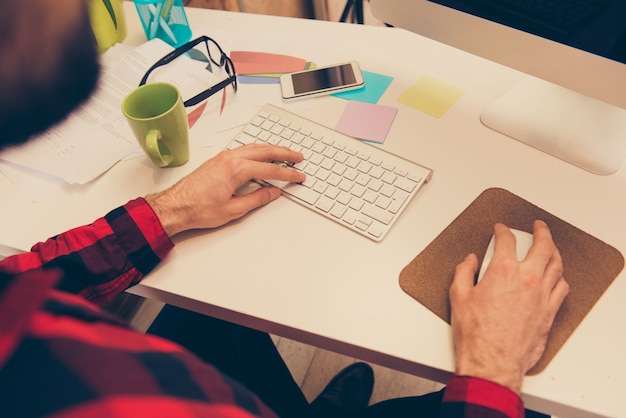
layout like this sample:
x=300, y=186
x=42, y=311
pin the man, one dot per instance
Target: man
x=61, y=355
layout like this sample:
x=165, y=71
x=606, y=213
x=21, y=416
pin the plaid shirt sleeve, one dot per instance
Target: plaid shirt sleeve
x=470, y=397
x=102, y=259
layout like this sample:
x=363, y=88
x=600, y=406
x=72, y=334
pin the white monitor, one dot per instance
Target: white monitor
x=573, y=103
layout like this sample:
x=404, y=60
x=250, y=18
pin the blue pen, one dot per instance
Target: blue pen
x=154, y=25
x=167, y=8
x=158, y=19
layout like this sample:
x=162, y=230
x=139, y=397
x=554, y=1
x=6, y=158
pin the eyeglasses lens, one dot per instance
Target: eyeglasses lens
x=215, y=53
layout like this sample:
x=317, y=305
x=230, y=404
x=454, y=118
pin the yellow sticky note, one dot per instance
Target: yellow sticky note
x=431, y=96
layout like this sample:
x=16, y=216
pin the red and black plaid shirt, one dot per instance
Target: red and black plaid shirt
x=61, y=355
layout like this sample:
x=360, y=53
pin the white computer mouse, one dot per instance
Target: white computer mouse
x=524, y=242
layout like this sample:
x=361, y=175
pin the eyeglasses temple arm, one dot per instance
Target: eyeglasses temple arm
x=210, y=92
x=171, y=57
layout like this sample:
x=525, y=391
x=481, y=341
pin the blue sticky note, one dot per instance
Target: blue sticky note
x=375, y=86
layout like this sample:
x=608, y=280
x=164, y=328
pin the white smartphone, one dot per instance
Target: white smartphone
x=321, y=81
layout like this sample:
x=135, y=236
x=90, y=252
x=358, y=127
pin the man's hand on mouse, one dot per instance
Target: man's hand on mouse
x=205, y=198
x=501, y=327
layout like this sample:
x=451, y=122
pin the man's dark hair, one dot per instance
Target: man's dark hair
x=44, y=72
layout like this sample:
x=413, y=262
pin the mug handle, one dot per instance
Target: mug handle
x=159, y=152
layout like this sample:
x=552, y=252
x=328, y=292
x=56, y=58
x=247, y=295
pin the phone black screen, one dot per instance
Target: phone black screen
x=324, y=78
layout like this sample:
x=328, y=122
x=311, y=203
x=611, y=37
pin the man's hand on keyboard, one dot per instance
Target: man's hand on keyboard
x=206, y=197
x=361, y=187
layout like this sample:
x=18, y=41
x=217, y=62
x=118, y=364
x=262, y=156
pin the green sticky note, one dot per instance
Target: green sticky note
x=431, y=96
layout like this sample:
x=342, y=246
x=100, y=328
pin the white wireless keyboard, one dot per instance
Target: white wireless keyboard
x=355, y=184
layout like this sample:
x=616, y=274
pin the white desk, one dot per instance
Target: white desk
x=278, y=271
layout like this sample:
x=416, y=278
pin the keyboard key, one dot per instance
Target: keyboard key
x=311, y=169
x=357, y=190
x=332, y=192
x=389, y=177
x=252, y=130
x=334, y=179
x=339, y=169
x=338, y=210
x=371, y=196
x=356, y=204
x=362, y=179
x=405, y=184
x=414, y=177
x=320, y=187
x=301, y=192
x=377, y=213
x=349, y=217
x=383, y=202
x=325, y=204
x=343, y=198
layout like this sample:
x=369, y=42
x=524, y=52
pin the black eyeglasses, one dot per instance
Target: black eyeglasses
x=213, y=50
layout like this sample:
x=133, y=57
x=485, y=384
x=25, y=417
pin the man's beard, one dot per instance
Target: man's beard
x=41, y=105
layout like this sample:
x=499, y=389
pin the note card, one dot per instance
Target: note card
x=431, y=96
x=375, y=87
x=249, y=62
x=370, y=122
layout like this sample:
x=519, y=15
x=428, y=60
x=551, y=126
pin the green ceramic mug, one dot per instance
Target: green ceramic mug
x=157, y=117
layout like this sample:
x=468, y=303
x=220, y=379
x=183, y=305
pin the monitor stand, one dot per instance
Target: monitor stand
x=575, y=128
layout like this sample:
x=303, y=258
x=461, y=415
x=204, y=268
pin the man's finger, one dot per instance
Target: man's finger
x=464, y=276
x=267, y=171
x=267, y=152
x=543, y=247
x=505, y=242
x=240, y=205
x=544, y=257
x=557, y=296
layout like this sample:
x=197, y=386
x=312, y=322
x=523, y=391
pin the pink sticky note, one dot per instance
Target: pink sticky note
x=249, y=62
x=370, y=122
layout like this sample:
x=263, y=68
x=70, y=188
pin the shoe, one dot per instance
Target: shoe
x=349, y=390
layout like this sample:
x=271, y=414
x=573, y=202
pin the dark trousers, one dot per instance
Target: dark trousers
x=250, y=357
x=247, y=355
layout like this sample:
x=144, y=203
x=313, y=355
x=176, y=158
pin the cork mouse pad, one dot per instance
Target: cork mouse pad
x=590, y=265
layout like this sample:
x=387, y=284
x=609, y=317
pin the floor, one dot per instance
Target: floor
x=311, y=367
